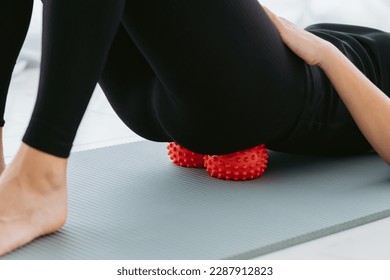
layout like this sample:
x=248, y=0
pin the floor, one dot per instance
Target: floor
x=100, y=127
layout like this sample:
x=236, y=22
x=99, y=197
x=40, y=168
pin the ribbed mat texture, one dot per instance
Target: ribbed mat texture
x=130, y=202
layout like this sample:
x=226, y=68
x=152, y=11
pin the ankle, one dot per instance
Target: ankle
x=2, y=162
x=33, y=166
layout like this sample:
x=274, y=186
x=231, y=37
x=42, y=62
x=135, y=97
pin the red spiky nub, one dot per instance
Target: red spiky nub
x=239, y=166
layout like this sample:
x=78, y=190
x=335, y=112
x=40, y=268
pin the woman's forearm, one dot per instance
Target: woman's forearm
x=368, y=105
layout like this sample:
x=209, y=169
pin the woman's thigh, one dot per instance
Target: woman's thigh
x=215, y=76
x=130, y=86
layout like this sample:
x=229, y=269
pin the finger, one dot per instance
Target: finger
x=286, y=23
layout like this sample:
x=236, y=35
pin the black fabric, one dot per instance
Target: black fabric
x=14, y=21
x=77, y=36
x=325, y=125
x=213, y=76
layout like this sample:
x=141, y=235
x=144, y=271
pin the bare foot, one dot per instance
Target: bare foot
x=33, y=198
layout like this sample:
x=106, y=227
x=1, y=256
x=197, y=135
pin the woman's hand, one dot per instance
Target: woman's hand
x=368, y=105
x=309, y=47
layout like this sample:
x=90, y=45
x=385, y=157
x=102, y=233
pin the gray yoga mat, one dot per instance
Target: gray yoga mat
x=130, y=202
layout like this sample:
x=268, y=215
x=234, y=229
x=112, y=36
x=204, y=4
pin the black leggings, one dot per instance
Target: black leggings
x=214, y=77
x=14, y=22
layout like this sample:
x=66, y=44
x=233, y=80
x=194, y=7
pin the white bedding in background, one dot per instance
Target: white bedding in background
x=372, y=13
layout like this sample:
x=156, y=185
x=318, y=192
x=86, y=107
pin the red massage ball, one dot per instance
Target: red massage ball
x=238, y=166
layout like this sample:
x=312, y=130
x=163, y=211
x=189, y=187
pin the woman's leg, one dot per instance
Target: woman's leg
x=76, y=39
x=14, y=21
x=130, y=86
x=218, y=77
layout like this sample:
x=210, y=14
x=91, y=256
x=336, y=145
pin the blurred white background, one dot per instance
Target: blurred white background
x=101, y=127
